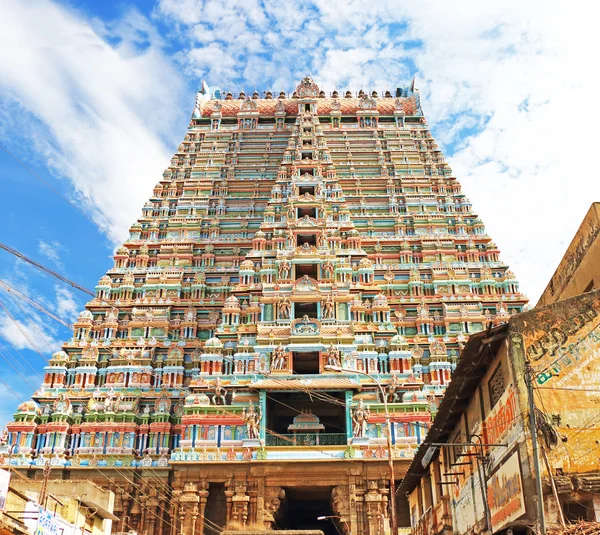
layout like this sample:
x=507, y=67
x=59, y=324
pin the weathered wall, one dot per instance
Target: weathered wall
x=580, y=264
x=562, y=344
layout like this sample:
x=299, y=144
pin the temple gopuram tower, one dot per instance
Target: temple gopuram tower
x=305, y=261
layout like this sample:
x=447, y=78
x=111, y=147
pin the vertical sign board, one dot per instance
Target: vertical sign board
x=505, y=493
x=4, y=482
x=503, y=425
x=47, y=524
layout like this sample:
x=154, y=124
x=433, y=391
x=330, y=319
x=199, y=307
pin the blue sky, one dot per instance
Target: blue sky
x=96, y=96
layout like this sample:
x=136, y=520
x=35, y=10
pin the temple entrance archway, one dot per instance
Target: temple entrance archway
x=302, y=507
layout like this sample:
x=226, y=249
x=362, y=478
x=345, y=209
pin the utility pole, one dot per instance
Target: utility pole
x=535, y=447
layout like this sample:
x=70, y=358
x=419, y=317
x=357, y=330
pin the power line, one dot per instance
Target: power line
x=45, y=269
x=32, y=323
x=13, y=392
x=70, y=203
x=33, y=303
x=17, y=372
x=23, y=331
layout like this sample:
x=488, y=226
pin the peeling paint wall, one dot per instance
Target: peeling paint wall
x=562, y=343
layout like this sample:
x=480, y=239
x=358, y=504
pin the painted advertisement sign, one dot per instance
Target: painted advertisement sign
x=46, y=524
x=505, y=493
x=562, y=344
x=503, y=425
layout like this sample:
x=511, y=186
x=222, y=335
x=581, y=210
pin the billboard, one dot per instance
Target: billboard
x=503, y=425
x=505, y=493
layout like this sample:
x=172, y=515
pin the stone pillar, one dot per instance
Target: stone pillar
x=373, y=509
x=239, y=504
x=188, y=512
x=203, y=497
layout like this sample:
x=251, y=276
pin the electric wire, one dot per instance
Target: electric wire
x=33, y=388
x=34, y=304
x=45, y=269
x=23, y=331
x=14, y=393
x=31, y=322
x=21, y=357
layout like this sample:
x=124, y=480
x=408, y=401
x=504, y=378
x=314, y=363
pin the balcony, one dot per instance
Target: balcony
x=307, y=439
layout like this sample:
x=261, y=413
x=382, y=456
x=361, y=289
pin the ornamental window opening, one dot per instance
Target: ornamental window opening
x=306, y=309
x=303, y=190
x=310, y=270
x=303, y=240
x=367, y=122
x=307, y=212
x=496, y=386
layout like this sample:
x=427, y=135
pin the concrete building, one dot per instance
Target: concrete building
x=461, y=487
x=75, y=507
x=579, y=269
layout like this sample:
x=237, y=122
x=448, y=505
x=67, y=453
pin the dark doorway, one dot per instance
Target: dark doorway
x=306, y=363
x=216, y=507
x=283, y=407
x=305, y=309
x=306, y=269
x=303, y=506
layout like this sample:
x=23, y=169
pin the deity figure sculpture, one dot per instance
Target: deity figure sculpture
x=392, y=388
x=220, y=394
x=252, y=420
x=333, y=356
x=328, y=308
x=4, y=437
x=284, y=270
x=279, y=360
x=328, y=269
x=285, y=307
x=321, y=239
x=360, y=418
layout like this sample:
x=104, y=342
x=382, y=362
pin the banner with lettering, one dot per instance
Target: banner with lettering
x=505, y=493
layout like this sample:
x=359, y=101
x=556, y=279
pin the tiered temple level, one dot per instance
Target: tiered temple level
x=287, y=235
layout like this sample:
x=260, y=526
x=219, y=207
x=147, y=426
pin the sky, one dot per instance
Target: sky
x=96, y=96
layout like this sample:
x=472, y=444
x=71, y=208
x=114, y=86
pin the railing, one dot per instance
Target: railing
x=307, y=439
x=424, y=525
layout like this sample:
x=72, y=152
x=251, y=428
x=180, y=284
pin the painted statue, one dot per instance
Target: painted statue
x=220, y=394
x=252, y=421
x=360, y=418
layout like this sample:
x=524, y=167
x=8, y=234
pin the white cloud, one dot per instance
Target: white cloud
x=52, y=251
x=66, y=306
x=28, y=334
x=98, y=114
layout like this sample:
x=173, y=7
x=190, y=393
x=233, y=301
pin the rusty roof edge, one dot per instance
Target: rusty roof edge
x=445, y=419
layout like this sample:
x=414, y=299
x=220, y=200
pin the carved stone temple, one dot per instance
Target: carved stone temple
x=299, y=252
